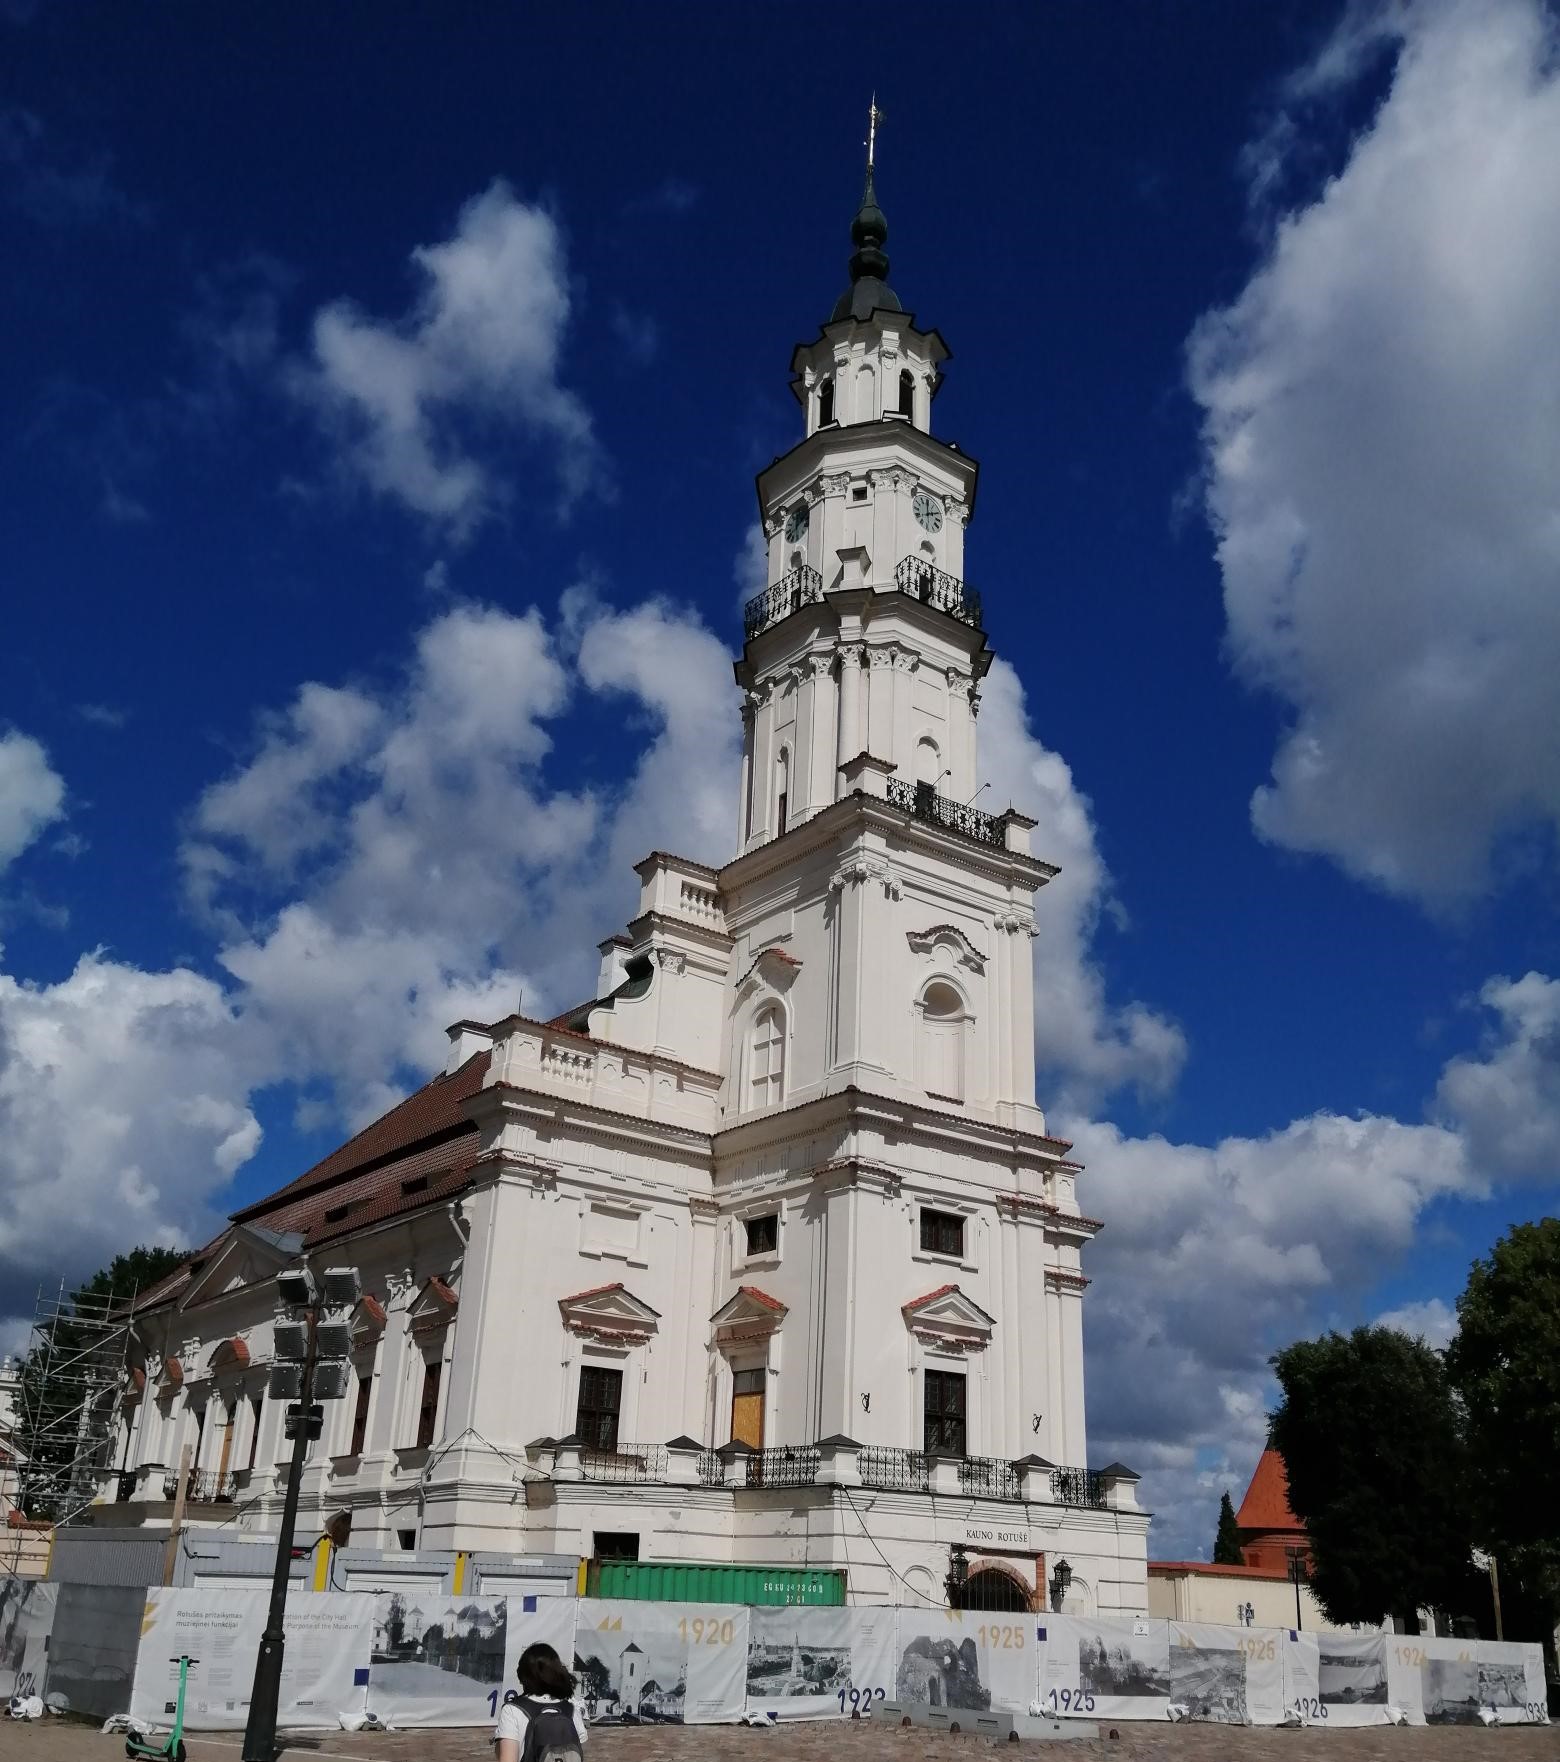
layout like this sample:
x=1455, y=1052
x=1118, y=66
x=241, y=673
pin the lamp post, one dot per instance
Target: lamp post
x=1296, y=1578
x=1061, y=1579
x=957, y=1575
x=311, y=1343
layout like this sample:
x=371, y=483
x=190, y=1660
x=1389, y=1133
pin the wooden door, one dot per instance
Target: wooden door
x=747, y=1408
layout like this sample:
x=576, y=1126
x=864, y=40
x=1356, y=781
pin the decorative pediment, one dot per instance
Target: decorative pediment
x=773, y=967
x=750, y=1315
x=249, y=1256
x=950, y=940
x=611, y=1315
x=434, y=1308
x=228, y=1355
x=368, y=1320
x=947, y=1319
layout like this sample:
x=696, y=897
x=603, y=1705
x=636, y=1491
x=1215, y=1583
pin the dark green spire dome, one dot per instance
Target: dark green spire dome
x=869, y=287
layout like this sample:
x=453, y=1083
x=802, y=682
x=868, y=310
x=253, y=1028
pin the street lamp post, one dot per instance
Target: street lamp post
x=310, y=1360
x=1296, y=1577
x=957, y=1576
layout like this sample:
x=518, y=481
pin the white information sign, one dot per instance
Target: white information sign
x=966, y=1659
x=1104, y=1666
x=323, y=1670
x=1229, y=1675
x=661, y=1663
x=438, y=1659
x=819, y=1663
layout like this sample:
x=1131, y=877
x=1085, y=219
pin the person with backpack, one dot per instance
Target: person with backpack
x=545, y=1722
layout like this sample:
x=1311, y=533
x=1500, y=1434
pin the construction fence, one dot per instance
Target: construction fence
x=415, y=1657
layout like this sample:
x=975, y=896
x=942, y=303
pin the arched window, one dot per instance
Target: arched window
x=907, y=393
x=928, y=761
x=866, y=396
x=825, y=403
x=782, y=789
x=940, y=1031
x=766, y=1058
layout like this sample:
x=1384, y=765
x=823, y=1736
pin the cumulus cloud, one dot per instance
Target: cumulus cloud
x=1381, y=413
x=478, y=354
x=1086, y=1047
x=1432, y=1321
x=32, y=794
x=1507, y=1098
x=124, y=1107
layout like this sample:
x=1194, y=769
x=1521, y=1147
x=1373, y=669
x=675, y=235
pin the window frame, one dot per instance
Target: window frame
x=772, y=1094
x=612, y=1376
x=769, y=1250
x=944, y=1418
x=926, y=1216
x=428, y=1401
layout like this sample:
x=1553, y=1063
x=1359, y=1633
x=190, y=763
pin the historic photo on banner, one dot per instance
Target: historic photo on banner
x=1109, y=1665
x=437, y=1659
x=660, y=1663
x=800, y=1663
x=968, y=1661
x=1209, y=1682
x=1351, y=1679
x=26, y=1617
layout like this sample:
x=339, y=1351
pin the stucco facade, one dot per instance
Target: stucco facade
x=783, y=1184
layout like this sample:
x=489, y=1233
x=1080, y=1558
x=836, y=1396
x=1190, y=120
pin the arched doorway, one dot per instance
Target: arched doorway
x=991, y=1589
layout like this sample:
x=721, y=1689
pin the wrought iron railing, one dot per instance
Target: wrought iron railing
x=923, y=801
x=988, y=1477
x=625, y=1462
x=1077, y=1486
x=206, y=1487
x=802, y=587
x=921, y=581
x=903, y=1471
x=124, y=1486
x=712, y=1471
x=789, y=1466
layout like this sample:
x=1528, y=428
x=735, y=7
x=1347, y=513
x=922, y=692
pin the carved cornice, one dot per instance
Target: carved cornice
x=926, y=942
x=949, y=1342
x=834, y=483
x=858, y=870
x=1016, y=923
x=1059, y=1279
x=699, y=1206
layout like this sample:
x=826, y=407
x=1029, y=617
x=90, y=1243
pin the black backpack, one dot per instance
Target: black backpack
x=549, y=1733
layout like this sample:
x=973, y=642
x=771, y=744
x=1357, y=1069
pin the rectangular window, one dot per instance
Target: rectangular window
x=945, y=1412
x=615, y=1544
x=360, y=1416
x=763, y=1233
x=428, y=1410
x=780, y=813
x=942, y=1232
x=601, y=1400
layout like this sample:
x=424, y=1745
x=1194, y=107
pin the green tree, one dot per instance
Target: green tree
x=70, y=1375
x=1226, y=1544
x=1505, y=1364
x=1371, y=1434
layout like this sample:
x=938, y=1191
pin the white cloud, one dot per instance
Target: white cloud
x=1433, y=1321
x=32, y=794
x=1381, y=416
x=1507, y=1100
x=124, y=1108
x=479, y=354
x=750, y=566
x=1086, y=1047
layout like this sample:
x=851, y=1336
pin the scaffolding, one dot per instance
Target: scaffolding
x=73, y=1382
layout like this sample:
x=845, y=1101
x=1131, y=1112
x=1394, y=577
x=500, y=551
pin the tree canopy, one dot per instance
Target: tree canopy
x=1372, y=1437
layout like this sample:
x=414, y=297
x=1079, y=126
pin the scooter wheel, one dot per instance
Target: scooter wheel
x=178, y=1754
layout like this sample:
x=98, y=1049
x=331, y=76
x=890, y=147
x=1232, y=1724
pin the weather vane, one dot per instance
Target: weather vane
x=874, y=117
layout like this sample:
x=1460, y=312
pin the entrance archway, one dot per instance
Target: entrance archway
x=995, y=1591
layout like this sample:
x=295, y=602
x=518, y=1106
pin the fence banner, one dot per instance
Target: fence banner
x=965, y=1659
x=806, y=1663
x=438, y=1659
x=661, y=1663
x=1301, y=1658
x=26, y=1620
x=1112, y=1667
x=1511, y=1682
x=1351, y=1679
x=324, y=1668
x=1229, y=1675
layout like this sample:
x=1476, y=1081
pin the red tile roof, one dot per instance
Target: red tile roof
x=594, y=1291
x=930, y=1297
x=1203, y=1569
x=1266, y=1505
x=763, y=1297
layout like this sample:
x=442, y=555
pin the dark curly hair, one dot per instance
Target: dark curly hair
x=542, y=1672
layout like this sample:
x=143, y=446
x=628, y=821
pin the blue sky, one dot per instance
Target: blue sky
x=381, y=402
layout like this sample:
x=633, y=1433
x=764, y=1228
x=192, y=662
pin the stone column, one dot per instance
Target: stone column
x=850, y=740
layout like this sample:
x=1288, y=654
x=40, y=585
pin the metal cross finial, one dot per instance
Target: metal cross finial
x=874, y=117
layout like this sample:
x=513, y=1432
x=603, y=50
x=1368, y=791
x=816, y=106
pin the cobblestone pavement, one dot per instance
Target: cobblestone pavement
x=54, y=1742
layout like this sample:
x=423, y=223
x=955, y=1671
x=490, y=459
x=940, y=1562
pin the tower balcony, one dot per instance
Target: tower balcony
x=919, y=580
x=922, y=802
x=802, y=587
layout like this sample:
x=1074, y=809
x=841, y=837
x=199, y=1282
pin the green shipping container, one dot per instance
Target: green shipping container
x=656, y=1581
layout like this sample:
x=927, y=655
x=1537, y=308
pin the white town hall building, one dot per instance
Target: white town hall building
x=765, y=1254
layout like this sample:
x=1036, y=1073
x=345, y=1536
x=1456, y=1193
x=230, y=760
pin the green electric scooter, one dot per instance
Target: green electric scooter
x=171, y=1748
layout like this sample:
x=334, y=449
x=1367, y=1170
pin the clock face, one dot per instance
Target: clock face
x=796, y=524
x=928, y=510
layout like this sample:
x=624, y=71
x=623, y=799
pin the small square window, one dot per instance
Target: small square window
x=615, y=1544
x=859, y=493
x=763, y=1233
x=942, y=1232
x=408, y=1540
